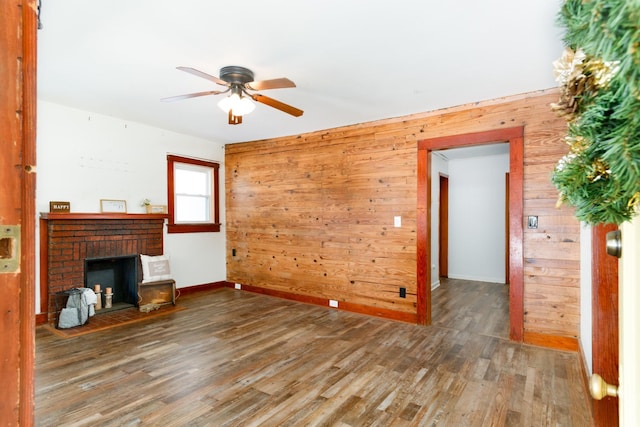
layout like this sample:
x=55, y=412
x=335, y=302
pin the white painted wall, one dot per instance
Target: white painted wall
x=83, y=157
x=477, y=218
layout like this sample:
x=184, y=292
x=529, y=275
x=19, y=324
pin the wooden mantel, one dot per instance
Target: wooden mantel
x=98, y=215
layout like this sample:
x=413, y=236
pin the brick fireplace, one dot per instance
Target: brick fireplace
x=68, y=239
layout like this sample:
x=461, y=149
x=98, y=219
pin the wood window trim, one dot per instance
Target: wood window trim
x=172, y=227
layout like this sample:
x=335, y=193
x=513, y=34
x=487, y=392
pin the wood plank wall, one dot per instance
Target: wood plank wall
x=311, y=216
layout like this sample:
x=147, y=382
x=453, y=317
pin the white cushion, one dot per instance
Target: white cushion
x=155, y=268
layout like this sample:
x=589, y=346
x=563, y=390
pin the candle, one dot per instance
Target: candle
x=108, y=291
x=96, y=288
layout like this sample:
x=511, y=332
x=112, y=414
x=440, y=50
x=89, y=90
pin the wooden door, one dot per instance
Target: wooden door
x=605, y=322
x=17, y=209
x=443, y=228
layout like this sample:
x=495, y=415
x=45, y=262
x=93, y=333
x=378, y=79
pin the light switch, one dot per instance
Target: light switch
x=397, y=221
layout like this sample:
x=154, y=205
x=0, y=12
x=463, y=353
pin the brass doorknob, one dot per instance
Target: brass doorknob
x=600, y=389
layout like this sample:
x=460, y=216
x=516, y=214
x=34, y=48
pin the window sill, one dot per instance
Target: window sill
x=193, y=228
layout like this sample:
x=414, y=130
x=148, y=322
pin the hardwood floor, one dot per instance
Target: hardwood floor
x=234, y=358
x=476, y=307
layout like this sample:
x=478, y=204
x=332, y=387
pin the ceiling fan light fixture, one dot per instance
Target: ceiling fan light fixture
x=225, y=103
x=244, y=106
x=240, y=105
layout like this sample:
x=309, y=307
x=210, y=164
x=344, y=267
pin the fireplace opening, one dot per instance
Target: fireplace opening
x=120, y=273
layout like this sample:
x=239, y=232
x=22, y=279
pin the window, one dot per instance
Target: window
x=193, y=195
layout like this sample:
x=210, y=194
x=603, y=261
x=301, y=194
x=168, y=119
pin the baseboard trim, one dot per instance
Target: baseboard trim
x=345, y=306
x=475, y=278
x=203, y=287
x=552, y=341
x=41, y=319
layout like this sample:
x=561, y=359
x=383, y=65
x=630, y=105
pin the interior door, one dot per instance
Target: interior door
x=605, y=322
x=624, y=244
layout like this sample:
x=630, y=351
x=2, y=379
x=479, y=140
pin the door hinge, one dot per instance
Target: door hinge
x=9, y=248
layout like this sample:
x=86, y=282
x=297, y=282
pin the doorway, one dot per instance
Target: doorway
x=515, y=138
x=468, y=221
x=469, y=234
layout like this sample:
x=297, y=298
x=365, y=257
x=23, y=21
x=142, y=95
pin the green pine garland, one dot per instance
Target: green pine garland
x=600, y=176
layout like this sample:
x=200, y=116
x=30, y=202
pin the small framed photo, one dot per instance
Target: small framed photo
x=157, y=209
x=113, y=206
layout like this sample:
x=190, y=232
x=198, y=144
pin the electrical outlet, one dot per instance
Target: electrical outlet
x=333, y=303
x=403, y=292
x=238, y=286
x=397, y=221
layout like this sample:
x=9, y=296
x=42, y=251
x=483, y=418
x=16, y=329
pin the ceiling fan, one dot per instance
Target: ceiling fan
x=240, y=86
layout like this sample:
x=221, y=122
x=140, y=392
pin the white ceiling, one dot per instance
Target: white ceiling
x=353, y=61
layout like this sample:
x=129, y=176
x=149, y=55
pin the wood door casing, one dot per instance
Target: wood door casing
x=17, y=208
x=443, y=227
x=506, y=226
x=515, y=138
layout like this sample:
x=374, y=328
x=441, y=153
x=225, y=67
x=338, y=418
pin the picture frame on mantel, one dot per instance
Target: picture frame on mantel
x=113, y=206
x=156, y=209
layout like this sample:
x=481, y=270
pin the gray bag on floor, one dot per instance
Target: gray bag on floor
x=76, y=312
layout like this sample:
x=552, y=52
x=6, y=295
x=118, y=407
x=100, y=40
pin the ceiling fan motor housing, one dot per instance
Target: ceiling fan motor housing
x=236, y=75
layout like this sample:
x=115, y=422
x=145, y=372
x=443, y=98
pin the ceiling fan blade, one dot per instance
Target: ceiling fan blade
x=203, y=75
x=270, y=84
x=277, y=104
x=192, y=95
